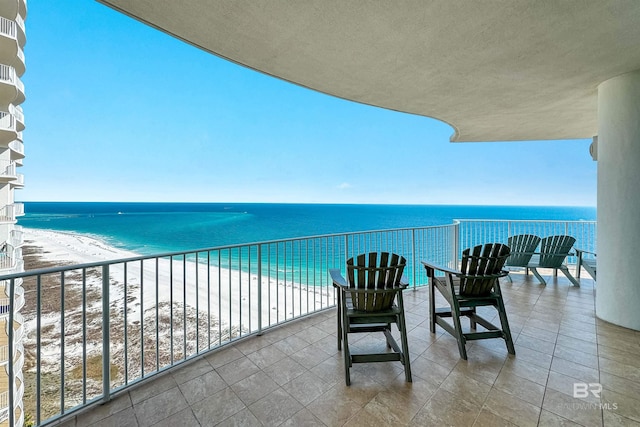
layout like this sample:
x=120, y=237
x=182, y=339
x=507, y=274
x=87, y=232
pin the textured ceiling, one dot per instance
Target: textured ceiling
x=494, y=70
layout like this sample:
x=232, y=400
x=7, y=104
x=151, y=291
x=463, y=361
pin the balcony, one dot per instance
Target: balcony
x=17, y=150
x=246, y=334
x=11, y=87
x=9, y=213
x=8, y=130
x=7, y=171
x=16, y=111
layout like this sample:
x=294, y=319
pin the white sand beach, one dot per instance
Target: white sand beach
x=192, y=303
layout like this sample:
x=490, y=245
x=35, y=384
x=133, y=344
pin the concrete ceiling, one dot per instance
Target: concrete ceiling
x=493, y=70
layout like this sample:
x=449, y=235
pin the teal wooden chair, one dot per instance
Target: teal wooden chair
x=476, y=284
x=370, y=300
x=553, y=252
x=522, y=248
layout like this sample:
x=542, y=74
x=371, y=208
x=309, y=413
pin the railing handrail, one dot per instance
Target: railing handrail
x=50, y=270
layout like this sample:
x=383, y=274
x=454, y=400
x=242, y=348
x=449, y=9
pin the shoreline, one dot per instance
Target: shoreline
x=234, y=293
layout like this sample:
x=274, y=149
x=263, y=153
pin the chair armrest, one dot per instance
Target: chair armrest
x=583, y=251
x=337, y=278
x=434, y=266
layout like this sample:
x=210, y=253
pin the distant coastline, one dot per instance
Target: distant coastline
x=149, y=228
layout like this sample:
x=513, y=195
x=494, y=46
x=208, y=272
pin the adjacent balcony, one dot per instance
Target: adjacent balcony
x=12, y=40
x=8, y=130
x=9, y=213
x=17, y=149
x=11, y=87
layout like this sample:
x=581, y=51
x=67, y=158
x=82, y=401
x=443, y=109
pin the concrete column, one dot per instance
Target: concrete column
x=618, y=284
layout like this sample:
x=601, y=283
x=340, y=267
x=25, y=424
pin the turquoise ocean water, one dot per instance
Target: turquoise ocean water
x=149, y=228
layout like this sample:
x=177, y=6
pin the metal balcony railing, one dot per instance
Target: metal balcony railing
x=7, y=168
x=17, y=146
x=8, y=27
x=7, y=121
x=130, y=319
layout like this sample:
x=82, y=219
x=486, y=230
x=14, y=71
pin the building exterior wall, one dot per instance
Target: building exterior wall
x=12, y=66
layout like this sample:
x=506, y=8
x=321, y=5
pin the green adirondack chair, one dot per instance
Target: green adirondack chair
x=553, y=252
x=476, y=284
x=522, y=248
x=370, y=300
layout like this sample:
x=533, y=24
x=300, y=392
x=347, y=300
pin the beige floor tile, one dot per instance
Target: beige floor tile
x=254, y=387
x=575, y=370
x=430, y=370
x=284, y=370
x=101, y=412
x=526, y=370
x=613, y=419
x=223, y=356
x=625, y=405
x=519, y=387
x=303, y=418
x=577, y=344
x=566, y=353
x=445, y=408
x=534, y=343
x=334, y=408
x=549, y=419
x=307, y=387
x=266, y=356
x=237, y=370
x=534, y=357
x=275, y=408
x=567, y=385
x=184, y=418
x=159, y=407
x=244, y=418
x=465, y=388
x=581, y=412
x=218, y=407
x=487, y=418
x=511, y=408
x=200, y=387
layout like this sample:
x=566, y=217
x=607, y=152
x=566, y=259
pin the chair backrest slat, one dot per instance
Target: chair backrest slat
x=522, y=247
x=375, y=271
x=481, y=267
x=554, y=249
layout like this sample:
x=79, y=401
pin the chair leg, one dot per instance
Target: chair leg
x=573, y=280
x=402, y=326
x=538, y=276
x=504, y=322
x=455, y=315
x=472, y=323
x=347, y=353
x=432, y=306
x=339, y=320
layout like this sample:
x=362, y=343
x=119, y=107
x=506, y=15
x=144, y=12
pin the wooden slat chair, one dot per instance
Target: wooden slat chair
x=586, y=260
x=475, y=284
x=522, y=248
x=370, y=300
x=553, y=252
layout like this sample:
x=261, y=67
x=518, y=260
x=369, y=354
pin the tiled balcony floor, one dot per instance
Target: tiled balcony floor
x=294, y=376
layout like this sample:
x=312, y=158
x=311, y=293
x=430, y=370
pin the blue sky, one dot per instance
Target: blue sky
x=117, y=111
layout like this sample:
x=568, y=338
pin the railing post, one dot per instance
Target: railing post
x=106, y=353
x=259, y=290
x=413, y=252
x=456, y=243
x=12, y=380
